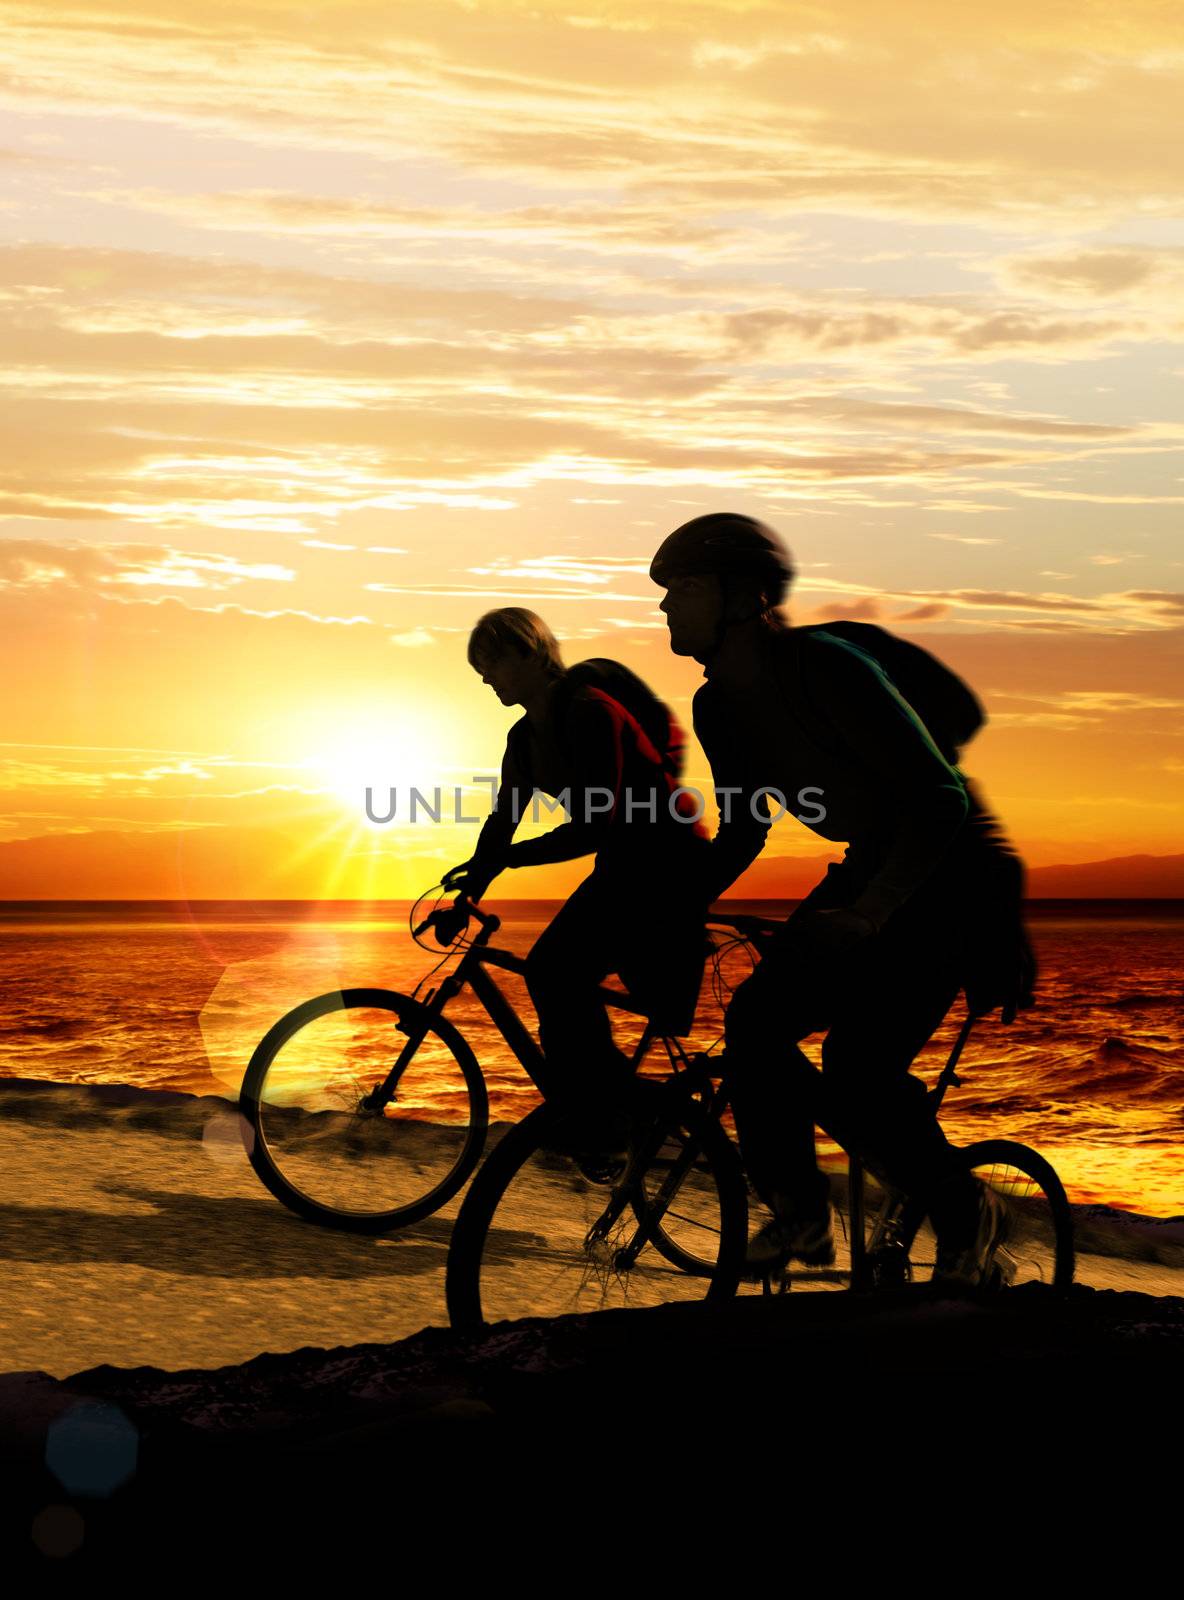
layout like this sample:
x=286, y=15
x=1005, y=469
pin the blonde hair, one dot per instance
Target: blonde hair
x=513, y=628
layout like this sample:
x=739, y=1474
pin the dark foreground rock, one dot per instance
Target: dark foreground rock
x=539, y=1420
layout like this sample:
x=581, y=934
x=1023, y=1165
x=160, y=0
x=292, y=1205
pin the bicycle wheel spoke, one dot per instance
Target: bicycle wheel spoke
x=691, y=1222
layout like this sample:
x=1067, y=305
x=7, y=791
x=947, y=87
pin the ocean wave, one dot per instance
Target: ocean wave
x=52, y=1027
x=175, y=1114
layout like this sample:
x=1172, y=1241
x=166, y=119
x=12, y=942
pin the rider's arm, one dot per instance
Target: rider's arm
x=593, y=731
x=743, y=824
x=920, y=798
x=494, y=842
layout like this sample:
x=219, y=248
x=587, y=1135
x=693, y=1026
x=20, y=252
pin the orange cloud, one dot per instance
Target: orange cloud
x=335, y=325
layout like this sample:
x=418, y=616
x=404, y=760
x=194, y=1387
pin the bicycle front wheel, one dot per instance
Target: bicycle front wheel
x=534, y=1237
x=1038, y=1247
x=668, y=1201
x=327, y=1155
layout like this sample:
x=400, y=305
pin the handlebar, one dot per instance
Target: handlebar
x=452, y=920
x=449, y=922
x=746, y=923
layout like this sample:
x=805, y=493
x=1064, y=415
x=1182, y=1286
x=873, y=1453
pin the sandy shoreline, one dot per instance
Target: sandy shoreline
x=135, y=1233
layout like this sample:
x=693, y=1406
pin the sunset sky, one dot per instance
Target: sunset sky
x=328, y=327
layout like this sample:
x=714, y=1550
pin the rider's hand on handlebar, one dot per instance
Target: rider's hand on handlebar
x=464, y=880
x=450, y=922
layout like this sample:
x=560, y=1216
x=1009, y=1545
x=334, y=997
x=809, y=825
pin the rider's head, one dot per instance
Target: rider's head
x=515, y=653
x=718, y=571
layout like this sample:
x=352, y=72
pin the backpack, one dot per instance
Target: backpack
x=948, y=707
x=656, y=721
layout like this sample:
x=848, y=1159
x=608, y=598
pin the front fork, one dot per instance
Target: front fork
x=385, y=1093
x=631, y=1179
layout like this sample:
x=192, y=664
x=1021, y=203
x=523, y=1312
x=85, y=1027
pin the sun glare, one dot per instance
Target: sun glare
x=379, y=752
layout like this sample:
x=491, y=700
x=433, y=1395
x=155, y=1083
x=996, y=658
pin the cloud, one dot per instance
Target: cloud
x=1092, y=275
x=902, y=416
x=1082, y=709
x=104, y=289
x=965, y=332
x=933, y=612
x=866, y=610
x=176, y=569
x=628, y=228
x=1145, y=606
x=1158, y=599
x=578, y=570
x=331, y=394
x=477, y=591
x=1129, y=609
x=848, y=108
x=961, y=538
x=28, y=563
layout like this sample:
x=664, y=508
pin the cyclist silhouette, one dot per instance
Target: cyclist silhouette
x=925, y=902
x=596, y=736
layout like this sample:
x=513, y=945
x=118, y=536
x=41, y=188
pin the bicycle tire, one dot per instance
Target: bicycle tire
x=318, y=1152
x=1039, y=1246
x=520, y=1247
x=675, y=1236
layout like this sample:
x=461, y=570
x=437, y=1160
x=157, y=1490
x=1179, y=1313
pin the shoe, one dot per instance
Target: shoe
x=984, y=1263
x=784, y=1239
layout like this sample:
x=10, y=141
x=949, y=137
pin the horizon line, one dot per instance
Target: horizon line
x=353, y=900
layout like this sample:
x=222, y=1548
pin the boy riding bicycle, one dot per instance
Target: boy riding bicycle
x=596, y=737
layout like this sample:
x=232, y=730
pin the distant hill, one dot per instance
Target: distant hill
x=233, y=863
x=188, y=864
x=1122, y=878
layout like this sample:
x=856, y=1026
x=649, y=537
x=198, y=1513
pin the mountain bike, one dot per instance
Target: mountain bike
x=367, y=1110
x=530, y=1241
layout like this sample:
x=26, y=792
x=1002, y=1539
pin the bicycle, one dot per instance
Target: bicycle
x=501, y=1265
x=349, y=1138
x=346, y=1141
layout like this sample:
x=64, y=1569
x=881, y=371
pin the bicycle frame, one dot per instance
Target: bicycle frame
x=472, y=971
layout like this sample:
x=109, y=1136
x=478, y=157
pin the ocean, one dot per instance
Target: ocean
x=174, y=996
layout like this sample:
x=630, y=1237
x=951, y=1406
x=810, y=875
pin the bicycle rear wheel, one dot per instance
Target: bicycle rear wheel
x=535, y=1238
x=1039, y=1244
x=327, y=1156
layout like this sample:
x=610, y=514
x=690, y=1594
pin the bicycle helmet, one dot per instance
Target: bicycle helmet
x=729, y=545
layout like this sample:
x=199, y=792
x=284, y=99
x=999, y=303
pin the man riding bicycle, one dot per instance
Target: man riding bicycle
x=924, y=903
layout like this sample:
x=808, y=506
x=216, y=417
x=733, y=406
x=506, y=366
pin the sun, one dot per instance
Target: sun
x=371, y=761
